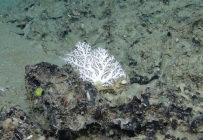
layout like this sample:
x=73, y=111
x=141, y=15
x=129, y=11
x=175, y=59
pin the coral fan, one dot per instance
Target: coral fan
x=96, y=66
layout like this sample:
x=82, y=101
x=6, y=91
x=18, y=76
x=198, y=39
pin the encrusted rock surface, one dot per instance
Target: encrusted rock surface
x=75, y=108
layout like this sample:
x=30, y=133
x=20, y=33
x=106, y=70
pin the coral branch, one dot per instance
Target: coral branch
x=95, y=65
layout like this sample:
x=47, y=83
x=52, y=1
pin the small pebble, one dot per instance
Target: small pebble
x=177, y=39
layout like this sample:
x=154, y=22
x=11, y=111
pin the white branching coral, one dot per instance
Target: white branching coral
x=96, y=66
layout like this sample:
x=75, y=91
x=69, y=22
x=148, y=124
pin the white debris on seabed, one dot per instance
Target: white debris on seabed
x=2, y=89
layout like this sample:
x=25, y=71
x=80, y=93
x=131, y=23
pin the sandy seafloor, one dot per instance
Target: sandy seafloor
x=143, y=35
